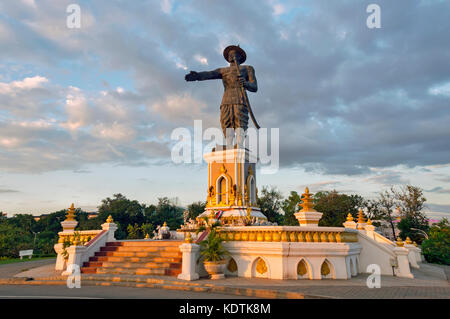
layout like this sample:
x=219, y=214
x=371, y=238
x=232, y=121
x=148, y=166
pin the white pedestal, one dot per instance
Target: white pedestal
x=189, y=264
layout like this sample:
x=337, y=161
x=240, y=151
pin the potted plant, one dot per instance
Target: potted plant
x=214, y=254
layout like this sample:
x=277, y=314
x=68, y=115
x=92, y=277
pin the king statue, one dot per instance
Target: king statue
x=235, y=107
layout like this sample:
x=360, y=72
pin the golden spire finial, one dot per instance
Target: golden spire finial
x=147, y=236
x=360, y=217
x=165, y=224
x=400, y=242
x=188, y=238
x=408, y=241
x=307, y=205
x=109, y=220
x=369, y=222
x=71, y=213
x=349, y=217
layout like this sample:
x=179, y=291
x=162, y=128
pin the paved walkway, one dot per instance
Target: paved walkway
x=9, y=270
x=429, y=282
x=96, y=292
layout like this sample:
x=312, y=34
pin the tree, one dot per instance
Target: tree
x=382, y=208
x=270, y=204
x=134, y=232
x=289, y=206
x=405, y=226
x=196, y=209
x=335, y=207
x=411, y=201
x=123, y=212
x=436, y=249
x=165, y=211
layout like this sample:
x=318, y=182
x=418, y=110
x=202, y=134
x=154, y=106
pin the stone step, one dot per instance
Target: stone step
x=132, y=265
x=145, y=243
x=141, y=248
x=132, y=271
x=135, y=259
x=138, y=254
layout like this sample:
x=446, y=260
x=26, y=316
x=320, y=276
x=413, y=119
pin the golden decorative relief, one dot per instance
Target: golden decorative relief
x=301, y=268
x=292, y=237
x=289, y=236
x=325, y=269
x=260, y=236
x=261, y=266
x=232, y=266
x=316, y=237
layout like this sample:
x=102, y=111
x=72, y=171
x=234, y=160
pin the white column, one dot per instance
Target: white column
x=75, y=256
x=189, y=263
x=60, y=261
x=412, y=255
x=403, y=262
x=111, y=228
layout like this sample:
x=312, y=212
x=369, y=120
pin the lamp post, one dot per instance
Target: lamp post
x=34, y=242
x=420, y=231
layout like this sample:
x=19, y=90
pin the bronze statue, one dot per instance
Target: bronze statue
x=236, y=79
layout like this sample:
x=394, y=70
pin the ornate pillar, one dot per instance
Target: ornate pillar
x=69, y=223
x=189, y=264
x=308, y=216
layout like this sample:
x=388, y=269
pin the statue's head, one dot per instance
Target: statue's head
x=234, y=51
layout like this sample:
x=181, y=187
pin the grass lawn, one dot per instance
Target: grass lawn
x=18, y=260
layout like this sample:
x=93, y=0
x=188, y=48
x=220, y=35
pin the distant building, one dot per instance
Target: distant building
x=37, y=218
x=92, y=215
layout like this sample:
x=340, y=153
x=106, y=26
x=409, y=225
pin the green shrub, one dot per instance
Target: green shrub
x=436, y=249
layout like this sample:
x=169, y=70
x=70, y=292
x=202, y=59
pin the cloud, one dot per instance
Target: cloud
x=438, y=190
x=8, y=191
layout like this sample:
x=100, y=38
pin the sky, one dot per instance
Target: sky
x=88, y=112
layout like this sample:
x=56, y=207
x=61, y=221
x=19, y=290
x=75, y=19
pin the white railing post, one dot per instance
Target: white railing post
x=189, y=264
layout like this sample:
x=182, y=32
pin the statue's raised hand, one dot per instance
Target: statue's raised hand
x=191, y=76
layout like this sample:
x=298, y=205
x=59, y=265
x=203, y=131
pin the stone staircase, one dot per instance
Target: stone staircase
x=160, y=258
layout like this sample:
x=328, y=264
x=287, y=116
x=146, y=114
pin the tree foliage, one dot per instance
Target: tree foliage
x=335, y=207
x=436, y=249
x=270, y=202
x=290, y=207
x=196, y=209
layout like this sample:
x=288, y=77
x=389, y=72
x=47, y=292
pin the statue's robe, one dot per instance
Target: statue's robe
x=233, y=109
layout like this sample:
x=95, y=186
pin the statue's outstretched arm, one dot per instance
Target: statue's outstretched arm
x=201, y=76
x=251, y=84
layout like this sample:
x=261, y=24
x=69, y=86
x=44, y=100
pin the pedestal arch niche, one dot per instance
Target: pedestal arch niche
x=327, y=270
x=303, y=270
x=260, y=268
x=232, y=267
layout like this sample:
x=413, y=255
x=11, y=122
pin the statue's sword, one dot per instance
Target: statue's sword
x=244, y=96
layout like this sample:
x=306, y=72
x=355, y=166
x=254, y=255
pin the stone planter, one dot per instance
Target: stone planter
x=215, y=268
